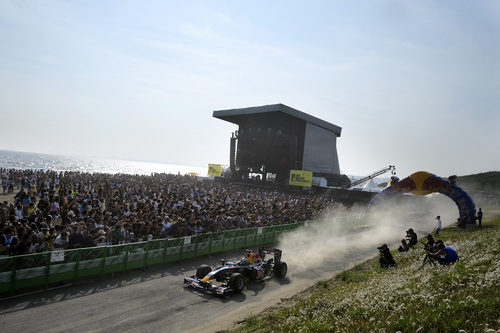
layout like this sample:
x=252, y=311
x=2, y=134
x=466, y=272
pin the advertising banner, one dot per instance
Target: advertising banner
x=56, y=256
x=215, y=170
x=301, y=178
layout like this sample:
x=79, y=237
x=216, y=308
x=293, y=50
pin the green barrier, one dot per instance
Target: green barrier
x=250, y=236
x=42, y=269
x=217, y=242
x=265, y=235
x=203, y=244
x=230, y=239
x=156, y=252
x=174, y=249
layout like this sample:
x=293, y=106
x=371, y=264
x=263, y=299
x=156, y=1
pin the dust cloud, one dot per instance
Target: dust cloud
x=345, y=231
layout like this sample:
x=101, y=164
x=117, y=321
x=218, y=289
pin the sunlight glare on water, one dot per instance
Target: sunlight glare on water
x=21, y=160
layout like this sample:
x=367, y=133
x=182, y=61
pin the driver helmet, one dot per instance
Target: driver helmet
x=249, y=257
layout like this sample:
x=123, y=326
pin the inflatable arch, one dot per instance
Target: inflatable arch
x=423, y=183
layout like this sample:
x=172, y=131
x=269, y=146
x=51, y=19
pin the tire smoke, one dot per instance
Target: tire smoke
x=345, y=233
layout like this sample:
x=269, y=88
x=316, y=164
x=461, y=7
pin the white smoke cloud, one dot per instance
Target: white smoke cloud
x=347, y=232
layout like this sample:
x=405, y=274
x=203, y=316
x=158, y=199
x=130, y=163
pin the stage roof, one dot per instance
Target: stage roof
x=236, y=115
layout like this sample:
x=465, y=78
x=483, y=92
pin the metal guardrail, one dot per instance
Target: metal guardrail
x=43, y=269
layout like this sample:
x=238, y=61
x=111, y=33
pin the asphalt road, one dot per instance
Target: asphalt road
x=152, y=300
x=155, y=299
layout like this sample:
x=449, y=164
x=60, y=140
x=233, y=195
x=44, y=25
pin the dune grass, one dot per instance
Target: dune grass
x=464, y=297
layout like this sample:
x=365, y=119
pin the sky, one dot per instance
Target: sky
x=415, y=84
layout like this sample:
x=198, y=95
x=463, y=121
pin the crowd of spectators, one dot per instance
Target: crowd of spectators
x=64, y=210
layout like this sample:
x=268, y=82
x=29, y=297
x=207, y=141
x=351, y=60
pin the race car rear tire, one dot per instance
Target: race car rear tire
x=280, y=270
x=253, y=275
x=237, y=282
x=202, y=271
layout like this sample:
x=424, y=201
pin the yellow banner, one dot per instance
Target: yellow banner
x=215, y=170
x=301, y=178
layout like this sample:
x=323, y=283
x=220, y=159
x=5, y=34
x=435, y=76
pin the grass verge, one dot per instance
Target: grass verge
x=464, y=297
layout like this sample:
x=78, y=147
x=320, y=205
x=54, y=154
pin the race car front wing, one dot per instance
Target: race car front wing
x=196, y=283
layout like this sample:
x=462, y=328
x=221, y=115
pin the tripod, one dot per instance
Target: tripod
x=427, y=260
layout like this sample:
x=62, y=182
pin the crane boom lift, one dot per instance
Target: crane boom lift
x=391, y=168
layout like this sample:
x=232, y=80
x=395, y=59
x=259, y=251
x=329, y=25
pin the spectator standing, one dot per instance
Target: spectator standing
x=19, y=211
x=7, y=241
x=89, y=240
x=24, y=245
x=479, y=217
x=438, y=226
x=115, y=236
x=61, y=241
x=36, y=243
x=75, y=239
x=5, y=183
x=48, y=243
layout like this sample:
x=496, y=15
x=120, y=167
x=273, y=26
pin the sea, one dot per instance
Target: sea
x=36, y=161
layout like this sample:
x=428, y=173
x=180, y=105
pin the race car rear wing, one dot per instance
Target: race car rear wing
x=270, y=250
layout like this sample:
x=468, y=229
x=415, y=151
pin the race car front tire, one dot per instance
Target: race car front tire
x=280, y=269
x=237, y=282
x=202, y=271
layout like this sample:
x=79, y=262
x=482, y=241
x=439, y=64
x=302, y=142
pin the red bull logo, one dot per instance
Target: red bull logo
x=423, y=183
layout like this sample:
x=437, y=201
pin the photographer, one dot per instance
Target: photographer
x=404, y=247
x=445, y=255
x=386, y=260
x=429, y=246
x=411, y=237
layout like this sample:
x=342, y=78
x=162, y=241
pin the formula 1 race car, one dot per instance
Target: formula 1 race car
x=233, y=276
